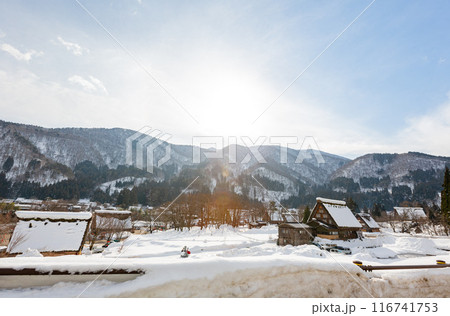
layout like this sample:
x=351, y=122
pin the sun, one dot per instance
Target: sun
x=230, y=100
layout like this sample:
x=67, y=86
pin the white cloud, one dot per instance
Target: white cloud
x=100, y=86
x=90, y=85
x=17, y=54
x=32, y=100
x=429, y=132
x=442, y=60
x=74, y=48
x=2, y=34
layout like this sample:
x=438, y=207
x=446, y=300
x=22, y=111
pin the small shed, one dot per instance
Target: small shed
x=51, y=233
x=294, y=234
x=368, y=223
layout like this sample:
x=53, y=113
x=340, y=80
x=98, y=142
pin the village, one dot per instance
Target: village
x=44, y=243
x=104, y=223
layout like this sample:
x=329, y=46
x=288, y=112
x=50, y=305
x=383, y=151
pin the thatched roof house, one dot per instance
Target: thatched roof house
x=368, y=223
x=332, y=219
x=49, y=232
x=409, y=213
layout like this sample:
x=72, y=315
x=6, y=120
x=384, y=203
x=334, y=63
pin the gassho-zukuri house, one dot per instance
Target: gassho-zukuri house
x=50, y=233
x=332, y=219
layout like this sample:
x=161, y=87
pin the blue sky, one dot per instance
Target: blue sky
x=383, y=86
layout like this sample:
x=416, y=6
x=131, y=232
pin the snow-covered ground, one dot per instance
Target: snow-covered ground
x=238, y=262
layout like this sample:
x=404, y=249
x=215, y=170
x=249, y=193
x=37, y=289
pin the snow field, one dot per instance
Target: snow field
x=238, y=262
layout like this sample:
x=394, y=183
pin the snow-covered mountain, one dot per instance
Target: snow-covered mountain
x=273, y=177
x=391, y=170
x=49, y=155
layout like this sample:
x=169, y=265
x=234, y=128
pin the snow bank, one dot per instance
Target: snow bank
x=382, y=253
x=31, y=253
x=404, y=244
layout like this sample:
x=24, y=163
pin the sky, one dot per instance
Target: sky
x=215, y=68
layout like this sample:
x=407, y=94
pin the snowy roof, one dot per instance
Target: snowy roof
x=112, y=212
x=291, y=218
x=28, y=201
x=7, y=201
x=296, y=225
x=142, y=224
x=23, y=206
x=410, y=212
x=342, y=215
x=41, y=232
x=53, y=215
x=330, y=201
x=369, y=220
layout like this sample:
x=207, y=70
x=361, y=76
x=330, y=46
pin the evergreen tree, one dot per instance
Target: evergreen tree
x=306, y=214
x=376, y=210
x=4, y=185
x=351, y=204
x=8, y=164
x=445, y=197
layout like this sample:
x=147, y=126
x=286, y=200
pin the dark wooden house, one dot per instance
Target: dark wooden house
x=294, y=234
x=332, y=219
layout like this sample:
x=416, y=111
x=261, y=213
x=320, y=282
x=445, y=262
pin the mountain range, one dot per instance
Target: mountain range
x=50, y=155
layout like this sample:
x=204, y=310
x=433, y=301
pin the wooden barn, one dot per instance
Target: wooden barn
x=50, y=233
x=294, y=234
x=368, y=223
x=332, y=219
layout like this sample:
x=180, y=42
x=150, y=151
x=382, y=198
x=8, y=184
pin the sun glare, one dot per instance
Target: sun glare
x=230, y=101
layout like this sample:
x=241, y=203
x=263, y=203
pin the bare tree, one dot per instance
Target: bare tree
x=16, y=240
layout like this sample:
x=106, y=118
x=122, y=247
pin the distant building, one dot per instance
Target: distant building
x=409, y=213
x=332, y=219
x=294, y=234
x=368, y=223
x=257, y=224
x=111, y=220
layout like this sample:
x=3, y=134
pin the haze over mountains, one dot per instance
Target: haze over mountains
x=36, y=154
